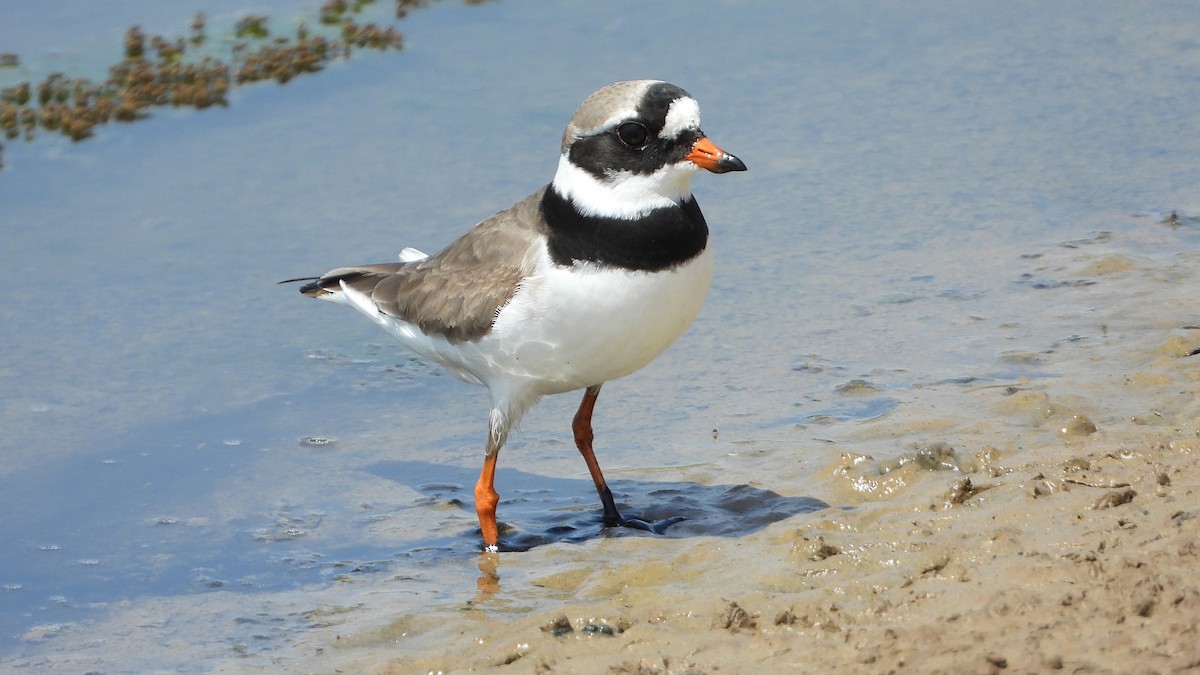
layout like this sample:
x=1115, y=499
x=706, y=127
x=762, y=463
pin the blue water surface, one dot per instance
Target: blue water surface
x=176, y=424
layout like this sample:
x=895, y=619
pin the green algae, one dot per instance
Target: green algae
x=181, y=72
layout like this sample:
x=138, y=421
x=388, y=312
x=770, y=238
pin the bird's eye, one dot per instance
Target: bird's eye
x=633, y=135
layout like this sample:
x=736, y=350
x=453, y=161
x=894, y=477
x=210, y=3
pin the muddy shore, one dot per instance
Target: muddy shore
x=1052, y=526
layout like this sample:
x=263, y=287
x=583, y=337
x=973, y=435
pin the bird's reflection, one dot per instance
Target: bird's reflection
x=488, y=583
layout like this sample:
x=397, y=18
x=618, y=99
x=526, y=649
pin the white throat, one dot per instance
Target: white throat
x=623, y=194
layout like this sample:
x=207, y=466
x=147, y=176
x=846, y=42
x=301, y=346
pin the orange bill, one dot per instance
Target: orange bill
x=706, y=155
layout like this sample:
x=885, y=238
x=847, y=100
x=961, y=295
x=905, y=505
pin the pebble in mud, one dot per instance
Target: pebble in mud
x=317, y=441
x=814, y=549
x=559, y=627
x=562, y=626
x=1115, y=498
x=856, y=386
x=1060, y=415
x=1076, y=426
x=962, y=491
x=865, y=477
x=734, y=618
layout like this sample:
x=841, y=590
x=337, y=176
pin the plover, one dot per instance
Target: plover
x=584, y=281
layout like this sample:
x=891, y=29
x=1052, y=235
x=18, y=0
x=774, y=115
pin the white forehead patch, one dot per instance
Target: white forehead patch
x=683, y=114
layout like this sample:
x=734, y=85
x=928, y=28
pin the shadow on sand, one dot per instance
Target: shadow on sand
x=536, y=510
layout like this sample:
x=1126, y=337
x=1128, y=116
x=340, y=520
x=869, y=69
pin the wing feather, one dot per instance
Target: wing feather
x=458, y=292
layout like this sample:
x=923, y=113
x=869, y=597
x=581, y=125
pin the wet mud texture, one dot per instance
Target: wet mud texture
x=539, y=510
x=1040, y=523
x=1033, y=526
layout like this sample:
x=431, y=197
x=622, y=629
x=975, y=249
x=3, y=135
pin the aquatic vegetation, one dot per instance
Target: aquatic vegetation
x=157, y=71
x=251, y=26
x=198, y=23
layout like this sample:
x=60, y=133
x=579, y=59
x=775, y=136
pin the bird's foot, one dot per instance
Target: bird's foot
x=657, y=527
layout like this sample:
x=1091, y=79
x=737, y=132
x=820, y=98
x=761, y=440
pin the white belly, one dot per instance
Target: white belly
x=565, y=328
x=575, y=327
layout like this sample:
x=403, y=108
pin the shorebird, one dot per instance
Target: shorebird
x=584, y=281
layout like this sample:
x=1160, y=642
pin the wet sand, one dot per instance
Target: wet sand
x=1024, y=525
x=1031, y=525
x=1028, y=525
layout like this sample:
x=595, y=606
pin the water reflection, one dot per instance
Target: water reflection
x=488, y=582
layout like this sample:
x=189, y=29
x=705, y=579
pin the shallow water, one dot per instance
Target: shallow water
x=912, y=171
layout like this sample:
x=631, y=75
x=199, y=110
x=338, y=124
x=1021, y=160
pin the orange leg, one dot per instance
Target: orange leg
x=582, y=426
x=486, y=498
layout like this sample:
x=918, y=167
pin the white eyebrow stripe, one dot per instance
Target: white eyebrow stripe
x=613, y=121
x=683, y=114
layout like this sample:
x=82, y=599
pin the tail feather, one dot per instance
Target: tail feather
x=361, y=278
